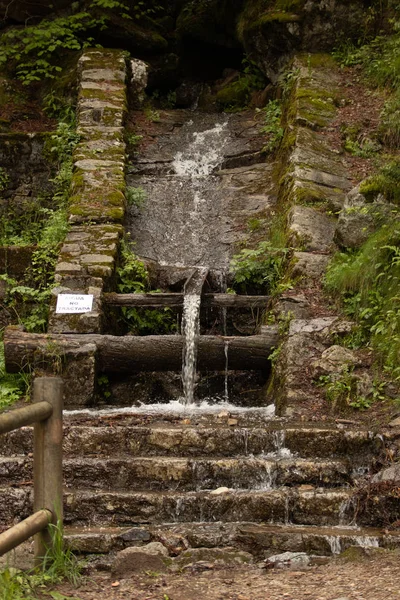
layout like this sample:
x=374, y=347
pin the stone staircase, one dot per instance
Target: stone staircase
x=240, y=480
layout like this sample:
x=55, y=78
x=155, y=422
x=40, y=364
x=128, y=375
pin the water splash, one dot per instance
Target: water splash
x=344, y=510
x=278, y=440
x=177, y=407
x=190, y=326
x=334, y=543
x=366, y=541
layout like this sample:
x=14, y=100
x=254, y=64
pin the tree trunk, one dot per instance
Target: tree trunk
x=159, y=300
x=127, y=354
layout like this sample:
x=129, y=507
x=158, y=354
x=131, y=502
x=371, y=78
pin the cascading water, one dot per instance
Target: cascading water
x=226, y=389
x=196, y=163
x=190, y=326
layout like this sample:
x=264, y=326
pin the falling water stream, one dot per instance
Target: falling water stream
x=195, y=163
x=190, y=327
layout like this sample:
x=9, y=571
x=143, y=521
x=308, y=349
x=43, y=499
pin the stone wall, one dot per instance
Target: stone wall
x=313, y=190
x=28, y=169
x=86, y=263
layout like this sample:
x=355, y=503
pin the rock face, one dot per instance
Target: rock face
x=25, y=164
x=391, y=474
x=333, y=360
x=271, y=35
x=359, y=219
x=22, y=10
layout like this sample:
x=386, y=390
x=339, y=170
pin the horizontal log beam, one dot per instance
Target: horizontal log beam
x=13, y=537
x=156, y=300
x=127, y=354
x=27, y=415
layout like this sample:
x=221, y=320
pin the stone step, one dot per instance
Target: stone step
x=258, y=539
x=84, y=507
x=160, y=473
x=189, y=440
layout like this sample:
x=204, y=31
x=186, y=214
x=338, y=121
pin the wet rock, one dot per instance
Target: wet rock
x=138, y=559
x=219, y=491
x=391, y=474
x=287, y=560
x=174, y=542
x=188, y=93
x=136, y=534
x=333, y=360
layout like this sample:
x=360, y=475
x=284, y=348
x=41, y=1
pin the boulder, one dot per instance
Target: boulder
x=138, y=82
x=391, y=474
x=138, y=559
x=310, y=229
x=309, y=266
x=333, y=360
x=359, y=219
x=287, y=560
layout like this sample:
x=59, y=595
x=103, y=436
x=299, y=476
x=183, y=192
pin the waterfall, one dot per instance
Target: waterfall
x=226, y=351
x=190, y=326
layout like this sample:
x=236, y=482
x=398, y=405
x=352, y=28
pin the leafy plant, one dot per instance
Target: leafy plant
x=33, y=52
x=386, y=181
x=272, y=114
x=136, y=196
x=4, y=179
x=339, y=387
x=367, y=283
x=259, y=268
x=59, y=564
x=12, y=386
x=389, y=126
x=133, y=277
x=47, y=229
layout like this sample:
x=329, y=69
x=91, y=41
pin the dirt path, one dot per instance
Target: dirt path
x=374, y=577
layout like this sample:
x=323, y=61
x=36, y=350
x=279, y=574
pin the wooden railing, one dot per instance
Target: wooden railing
x=46, y=415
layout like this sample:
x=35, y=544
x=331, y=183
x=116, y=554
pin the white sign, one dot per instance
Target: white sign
x=69, y=304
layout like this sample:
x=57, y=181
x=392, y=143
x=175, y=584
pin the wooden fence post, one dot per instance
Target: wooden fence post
x=47, y=458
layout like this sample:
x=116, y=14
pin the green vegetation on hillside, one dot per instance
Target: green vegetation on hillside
x=367, y=281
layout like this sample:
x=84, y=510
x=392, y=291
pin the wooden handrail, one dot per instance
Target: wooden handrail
x=20, y=417
x=13, y=537
x=46, y=415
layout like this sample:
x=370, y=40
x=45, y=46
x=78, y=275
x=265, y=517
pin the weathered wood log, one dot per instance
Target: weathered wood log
x=127, y=354
x=174, y=299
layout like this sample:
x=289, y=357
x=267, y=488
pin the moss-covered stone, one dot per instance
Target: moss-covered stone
x=235, y=94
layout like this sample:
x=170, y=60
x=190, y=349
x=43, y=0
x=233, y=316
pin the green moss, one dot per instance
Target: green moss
x=320, y=60
x=115, y=214
x=78, y=182
x=235, y=94
x=386, y=182
x=114, y=95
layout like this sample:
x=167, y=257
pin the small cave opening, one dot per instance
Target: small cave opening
x=201, y=61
